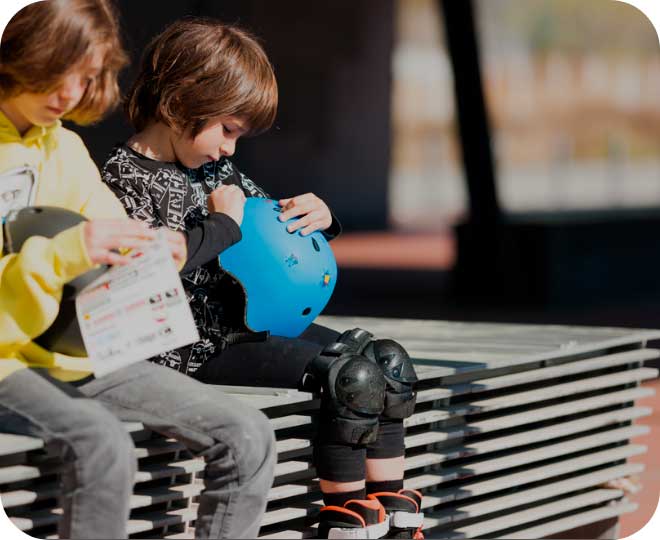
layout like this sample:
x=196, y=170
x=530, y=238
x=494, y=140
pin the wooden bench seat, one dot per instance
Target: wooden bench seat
x=515, y=432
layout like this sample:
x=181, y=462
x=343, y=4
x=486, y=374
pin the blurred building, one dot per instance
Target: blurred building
x=573, y=97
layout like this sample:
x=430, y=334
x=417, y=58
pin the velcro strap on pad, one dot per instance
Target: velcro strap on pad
x=378, y=530
x=335, y=349
x=352, y=431
x=406, y=520
x=356, y=340
x=399, y=405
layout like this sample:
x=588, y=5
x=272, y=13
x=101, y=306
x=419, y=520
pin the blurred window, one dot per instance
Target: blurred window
x=426, y=187
x=573, y=90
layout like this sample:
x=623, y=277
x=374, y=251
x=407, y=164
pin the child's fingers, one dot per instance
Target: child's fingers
x=178, y=251
x=124, y=241
x=293, y=212
x=302, y=205
x=299, y=206
x=114, y=259
x=132, y=229
x=301, y=201
x=315, y=226
x=174, y=237
x=302, y=222
x=128, y=243
x=133, y=226
x=177, y=244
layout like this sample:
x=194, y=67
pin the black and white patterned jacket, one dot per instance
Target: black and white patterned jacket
x=168, y=194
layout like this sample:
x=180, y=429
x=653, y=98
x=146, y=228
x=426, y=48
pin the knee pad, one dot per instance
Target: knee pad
x=353, y=395
x=397, y=368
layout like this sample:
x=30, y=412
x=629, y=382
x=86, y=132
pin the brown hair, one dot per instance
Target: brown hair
x=45, y=40
x=198, y=69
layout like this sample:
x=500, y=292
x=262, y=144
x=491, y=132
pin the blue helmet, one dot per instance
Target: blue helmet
x=288, y=278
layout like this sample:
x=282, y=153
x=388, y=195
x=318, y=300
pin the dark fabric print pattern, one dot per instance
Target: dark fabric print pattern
x=168, y=194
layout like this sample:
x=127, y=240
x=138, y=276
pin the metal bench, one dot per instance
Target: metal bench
x=515, y=432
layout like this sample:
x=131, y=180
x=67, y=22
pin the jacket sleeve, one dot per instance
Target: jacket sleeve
x=334, y=230
x=210, y=238
x=31, y=283
x=203, y=242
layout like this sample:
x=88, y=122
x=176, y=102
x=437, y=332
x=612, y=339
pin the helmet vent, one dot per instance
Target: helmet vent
x=315, y=244
x=307, y=311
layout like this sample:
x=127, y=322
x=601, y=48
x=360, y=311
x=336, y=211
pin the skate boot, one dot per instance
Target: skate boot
x=403, y=511
x=357, y=519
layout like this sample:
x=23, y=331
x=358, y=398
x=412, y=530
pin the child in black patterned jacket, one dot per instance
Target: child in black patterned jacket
x=202, y=86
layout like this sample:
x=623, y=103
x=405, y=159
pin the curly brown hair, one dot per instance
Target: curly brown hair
x=198, y=69
x=47, y=39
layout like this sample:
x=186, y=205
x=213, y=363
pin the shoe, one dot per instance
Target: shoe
x=402, y=508
x=358, y=518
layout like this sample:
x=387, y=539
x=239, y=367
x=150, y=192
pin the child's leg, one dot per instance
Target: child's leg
x=98, y=452
x=282, y=362
x=235, y=439
x=320, y=334
x=341, y=470
x=340, y=453
x=385, y=470
x=276, y=362
x=385, y=457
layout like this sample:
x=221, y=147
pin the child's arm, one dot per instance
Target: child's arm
x=210, y=238
x=31, y=283
x=32, y=280
x=203, y=242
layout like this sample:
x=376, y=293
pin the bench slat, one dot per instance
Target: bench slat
x=529, y=515
x=505, y=503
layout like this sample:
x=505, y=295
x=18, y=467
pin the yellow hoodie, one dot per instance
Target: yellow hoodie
x=31, y=281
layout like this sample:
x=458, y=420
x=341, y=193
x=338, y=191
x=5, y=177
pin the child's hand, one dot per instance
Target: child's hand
x=229, y=200
x=316, y=214
x=178, y=247
x=104, y=237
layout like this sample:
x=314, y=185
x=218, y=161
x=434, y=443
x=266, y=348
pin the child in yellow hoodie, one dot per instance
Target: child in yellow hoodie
x=60, y=59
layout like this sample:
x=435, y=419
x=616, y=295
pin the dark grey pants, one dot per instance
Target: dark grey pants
x=235, y=440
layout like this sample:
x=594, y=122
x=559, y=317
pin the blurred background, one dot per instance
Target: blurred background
x=489, y=159
x=494, y=160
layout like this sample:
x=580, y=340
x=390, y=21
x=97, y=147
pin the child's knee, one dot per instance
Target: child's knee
x=258, y=437
x=100, y=443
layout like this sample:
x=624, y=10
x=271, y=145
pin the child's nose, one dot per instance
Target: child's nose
x=228, y=147
x=72, y=89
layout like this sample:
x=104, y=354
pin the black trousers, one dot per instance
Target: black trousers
x=281, y=362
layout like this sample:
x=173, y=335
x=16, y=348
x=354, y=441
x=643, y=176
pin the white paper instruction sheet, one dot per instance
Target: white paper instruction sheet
x=136, y=311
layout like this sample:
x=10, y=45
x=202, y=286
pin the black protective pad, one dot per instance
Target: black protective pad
x=353, y=394
x=397, y=367
x=399, y=373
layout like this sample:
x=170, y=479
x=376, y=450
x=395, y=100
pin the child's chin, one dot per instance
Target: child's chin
x=193, y=164
x=46, y=120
